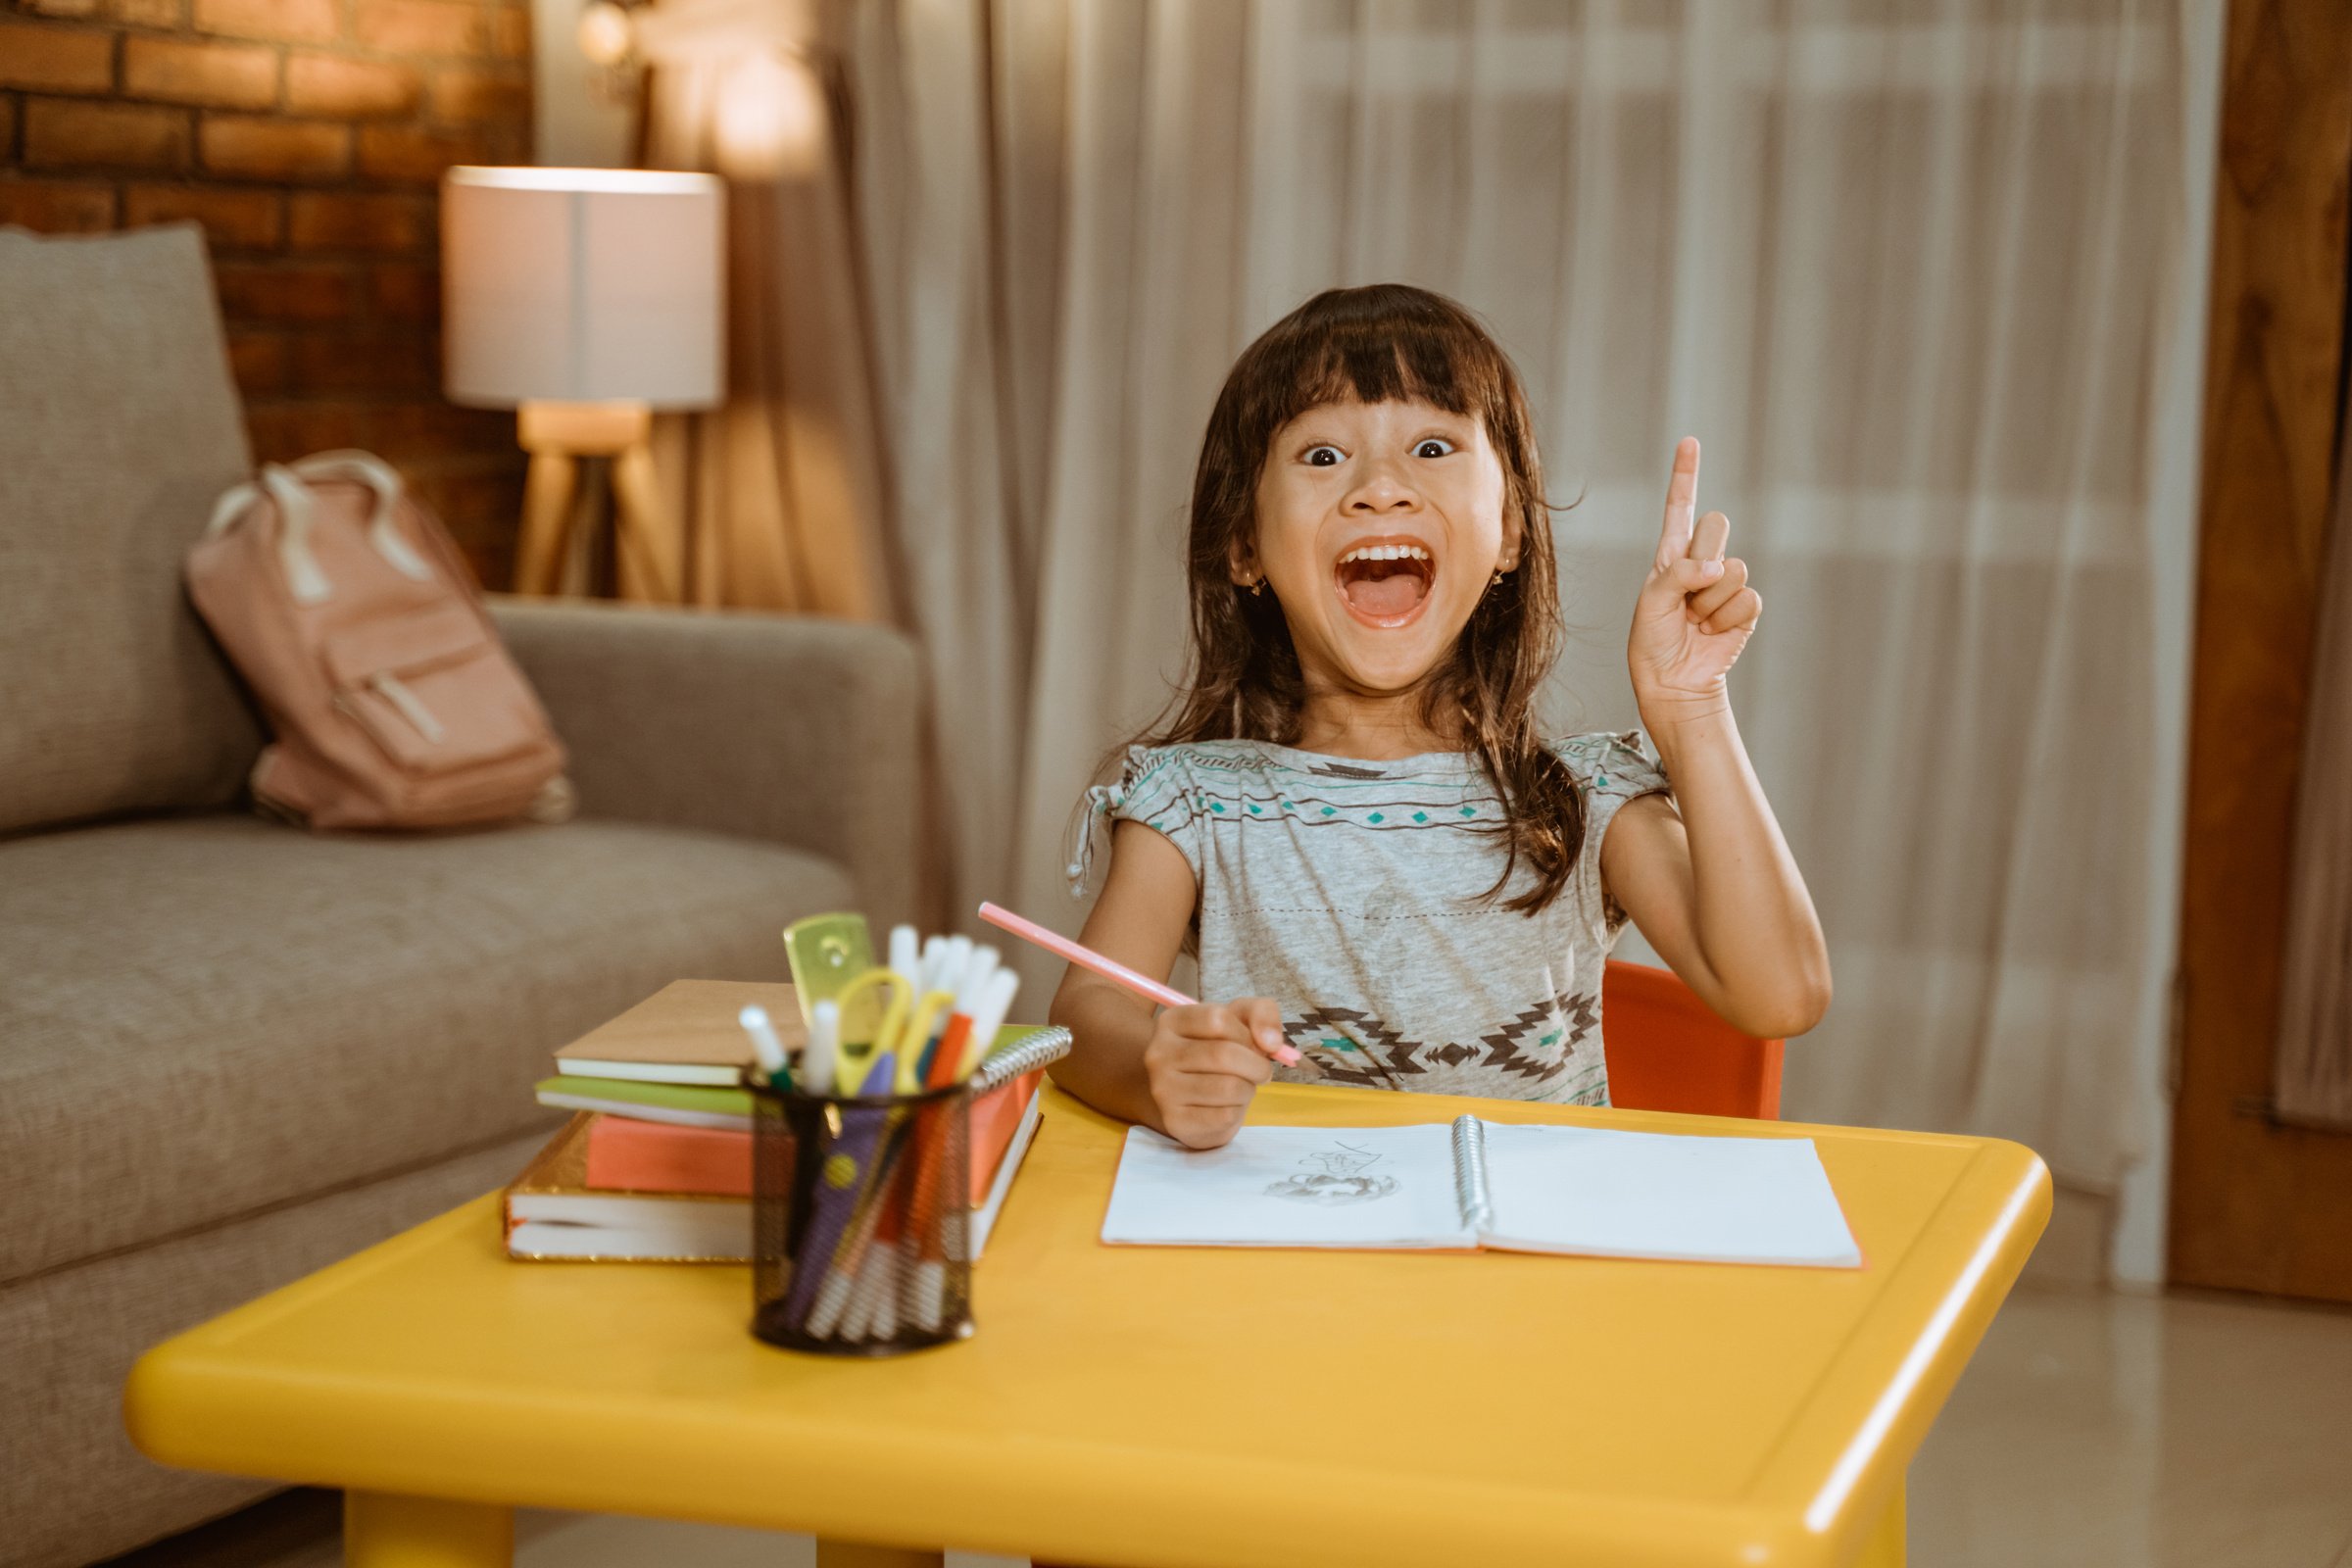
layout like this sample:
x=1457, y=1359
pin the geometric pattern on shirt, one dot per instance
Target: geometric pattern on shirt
x=1354, y=1048
x=1415, y=808
x=1350, y=1047
x=1507, y=1048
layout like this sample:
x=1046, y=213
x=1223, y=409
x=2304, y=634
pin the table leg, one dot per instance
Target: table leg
x=383, y=1530
x=848, y=1554
x=1885, y=1547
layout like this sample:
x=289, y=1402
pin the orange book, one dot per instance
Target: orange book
x=626, y=1155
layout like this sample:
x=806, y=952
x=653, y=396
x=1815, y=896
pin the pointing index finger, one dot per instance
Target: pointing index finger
x=1682, y=504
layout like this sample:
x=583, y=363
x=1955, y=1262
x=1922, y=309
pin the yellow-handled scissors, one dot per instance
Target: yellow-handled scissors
x=873, y=1016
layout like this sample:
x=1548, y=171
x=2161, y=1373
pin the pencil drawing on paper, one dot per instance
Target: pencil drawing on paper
x=1340, y=1174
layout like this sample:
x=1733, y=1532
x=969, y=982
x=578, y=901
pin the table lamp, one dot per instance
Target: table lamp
x=585, y=299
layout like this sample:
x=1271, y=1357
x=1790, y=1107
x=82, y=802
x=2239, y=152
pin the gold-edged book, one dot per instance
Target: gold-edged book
x=553, y=1214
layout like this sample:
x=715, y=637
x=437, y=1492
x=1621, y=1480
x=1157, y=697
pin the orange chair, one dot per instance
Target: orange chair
x=1667, y=1049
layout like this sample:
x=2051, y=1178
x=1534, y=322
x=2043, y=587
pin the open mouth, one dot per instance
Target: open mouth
x=1384, y=583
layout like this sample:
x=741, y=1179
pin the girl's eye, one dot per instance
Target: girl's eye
x=1433, y=447
x=1323, y=457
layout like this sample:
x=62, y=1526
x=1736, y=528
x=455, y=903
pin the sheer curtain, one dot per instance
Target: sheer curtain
x=1921, y=276
x=781, y=494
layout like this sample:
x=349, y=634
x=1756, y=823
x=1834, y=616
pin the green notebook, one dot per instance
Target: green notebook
x=698, y=1106
x=680, y=1105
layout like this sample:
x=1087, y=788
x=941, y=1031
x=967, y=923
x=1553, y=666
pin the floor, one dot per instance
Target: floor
x=2094, y=1429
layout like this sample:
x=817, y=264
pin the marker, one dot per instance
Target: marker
x=988, y=1016
x=906, y=957
x=957, y=964
x=824, y=1038
x=914, y=1046
x=1108, y=968
x=930, y=965
x=766, y=1047
x=939, y=1070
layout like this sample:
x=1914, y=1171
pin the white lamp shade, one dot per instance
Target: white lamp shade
x=582, y=286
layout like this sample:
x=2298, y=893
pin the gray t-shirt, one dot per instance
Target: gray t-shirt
x=1350, y=891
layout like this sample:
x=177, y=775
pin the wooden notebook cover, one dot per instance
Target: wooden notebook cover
x=690, y=1023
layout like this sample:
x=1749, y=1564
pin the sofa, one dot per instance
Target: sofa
x=233, y=1052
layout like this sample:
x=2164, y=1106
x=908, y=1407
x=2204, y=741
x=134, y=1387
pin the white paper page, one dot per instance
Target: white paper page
x=1658, y=1195
x=984, y=1218
x=1388, y=1187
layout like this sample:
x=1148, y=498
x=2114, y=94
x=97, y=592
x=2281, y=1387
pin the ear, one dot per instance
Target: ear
x=1514, y=539
x=1241, y=562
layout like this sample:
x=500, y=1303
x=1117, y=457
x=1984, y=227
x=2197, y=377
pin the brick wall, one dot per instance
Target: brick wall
x=306, y=136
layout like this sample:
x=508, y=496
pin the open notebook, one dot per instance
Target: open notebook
x=1509, y=1186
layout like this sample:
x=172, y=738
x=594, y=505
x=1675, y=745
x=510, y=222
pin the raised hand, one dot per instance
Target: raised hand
x=1697, y=611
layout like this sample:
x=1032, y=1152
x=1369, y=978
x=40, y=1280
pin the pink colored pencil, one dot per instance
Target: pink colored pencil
x=1110, y=969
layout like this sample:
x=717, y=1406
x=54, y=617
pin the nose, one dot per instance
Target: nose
x=1384, y=491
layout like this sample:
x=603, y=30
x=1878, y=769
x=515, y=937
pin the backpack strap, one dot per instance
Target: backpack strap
x=383, y=529
x=305, y=578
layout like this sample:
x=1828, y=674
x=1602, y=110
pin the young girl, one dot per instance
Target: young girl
x=1390, y=879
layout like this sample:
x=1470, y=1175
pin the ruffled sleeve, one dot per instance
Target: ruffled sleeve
x=1155, y=788
x=1609, y=770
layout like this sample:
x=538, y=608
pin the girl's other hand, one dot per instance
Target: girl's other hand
x=1204, y=1063
x=1697, y=611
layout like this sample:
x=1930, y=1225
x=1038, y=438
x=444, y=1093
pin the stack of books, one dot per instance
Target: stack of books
x=655, y=1163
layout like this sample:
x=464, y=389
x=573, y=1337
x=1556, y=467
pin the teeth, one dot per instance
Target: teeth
x=1385, y=553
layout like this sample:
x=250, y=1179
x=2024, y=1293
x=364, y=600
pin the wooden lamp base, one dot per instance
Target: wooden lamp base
x=650, y=553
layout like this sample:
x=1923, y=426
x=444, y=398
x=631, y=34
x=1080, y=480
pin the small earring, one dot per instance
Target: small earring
x=1497, y=582
x=1257, y=589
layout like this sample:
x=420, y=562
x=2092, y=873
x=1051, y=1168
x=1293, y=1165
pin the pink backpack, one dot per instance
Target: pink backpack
x=347, y=610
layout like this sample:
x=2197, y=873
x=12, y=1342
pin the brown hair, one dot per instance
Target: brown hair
x=1381, y=343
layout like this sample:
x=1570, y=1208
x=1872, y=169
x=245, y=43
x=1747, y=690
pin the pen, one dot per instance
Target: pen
x=849, y=1175
x=1108, y=968
x=837, y=1269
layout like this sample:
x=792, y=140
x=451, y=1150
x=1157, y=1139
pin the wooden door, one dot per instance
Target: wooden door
x=2257, y=1205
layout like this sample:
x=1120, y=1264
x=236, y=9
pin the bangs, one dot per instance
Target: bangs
x=1384, y=343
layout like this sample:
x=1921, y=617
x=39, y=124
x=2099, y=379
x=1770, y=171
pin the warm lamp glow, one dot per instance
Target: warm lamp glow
x=770, y=118
x=605, y=36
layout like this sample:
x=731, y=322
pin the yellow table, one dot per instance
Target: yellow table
x=1148, y=1406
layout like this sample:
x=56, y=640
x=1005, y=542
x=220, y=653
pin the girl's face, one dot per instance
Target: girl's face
x=1379, y=526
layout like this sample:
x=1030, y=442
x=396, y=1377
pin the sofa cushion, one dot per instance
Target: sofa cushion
x=73, y=1489
x=204, y=1016
x=118, y=427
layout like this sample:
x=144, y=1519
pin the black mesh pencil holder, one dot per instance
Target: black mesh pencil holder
x=859, y=1210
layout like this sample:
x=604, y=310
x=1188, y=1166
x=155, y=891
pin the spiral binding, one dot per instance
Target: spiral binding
x=999, y=1068
x=1470, y=1174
